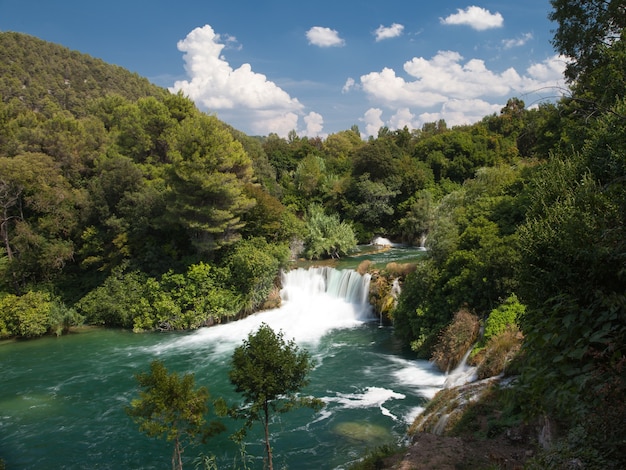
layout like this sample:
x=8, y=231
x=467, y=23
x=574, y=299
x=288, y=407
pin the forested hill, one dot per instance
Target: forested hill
x=39, y=73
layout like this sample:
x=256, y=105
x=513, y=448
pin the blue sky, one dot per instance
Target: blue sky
x=317, y=67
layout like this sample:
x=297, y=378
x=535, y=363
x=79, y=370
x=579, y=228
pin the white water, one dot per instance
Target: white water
x=315, y=301
x=462, y=374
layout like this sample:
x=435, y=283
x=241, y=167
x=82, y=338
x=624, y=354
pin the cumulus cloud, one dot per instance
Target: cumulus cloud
x=350, y=83
x=445, y=76
x=548, y=71
x=461, y=91
x=372, y=120
x=388, y=32
x=403, y=117
x=314, y=124
x=214, y=85
x=324, y=37
x=517, y=42
x=475, y=17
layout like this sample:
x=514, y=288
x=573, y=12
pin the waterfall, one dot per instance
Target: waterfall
x=345, y=284
x=315, y=301
x=462, y=374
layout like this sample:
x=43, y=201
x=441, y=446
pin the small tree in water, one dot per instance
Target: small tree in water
x=269, y=372
x=169, y=407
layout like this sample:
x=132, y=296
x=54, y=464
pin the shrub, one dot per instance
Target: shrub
x=501, y=318
x=499, y=351
x=364, y=266
x=400, y=269
x=455, y=340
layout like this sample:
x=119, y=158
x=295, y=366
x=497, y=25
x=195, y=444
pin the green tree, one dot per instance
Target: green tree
x=208, y=174
x=170, y=407
x=253, y=267
x=38, y=216
x=585, y=30
x=270, y=372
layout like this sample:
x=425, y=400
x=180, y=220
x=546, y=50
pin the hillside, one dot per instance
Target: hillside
x=38, y=73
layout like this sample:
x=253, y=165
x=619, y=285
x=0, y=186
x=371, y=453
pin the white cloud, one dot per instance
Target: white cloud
x=403, y=117
x=388, y=32
x=314, y=124
x=267, y=121
x=460, y=112
x=372, y=121
x=324, y=37
x=517, y=42
x=548, y=71
x=475, y=17
x=458, y=91
x=348, y=85
x=445, y=77
x=214, y=85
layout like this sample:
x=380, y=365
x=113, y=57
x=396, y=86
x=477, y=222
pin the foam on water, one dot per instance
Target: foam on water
x=422, y=375
x=371, y=397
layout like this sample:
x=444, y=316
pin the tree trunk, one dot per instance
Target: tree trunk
x=268, y=448
x=177, y=457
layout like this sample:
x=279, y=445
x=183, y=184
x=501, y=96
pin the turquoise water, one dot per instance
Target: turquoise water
x=378, y=255
x=62, y=399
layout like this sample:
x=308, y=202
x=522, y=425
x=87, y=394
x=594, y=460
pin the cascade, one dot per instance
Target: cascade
x=315, y=302
x=396, y=289
x=462, y=374
x=371, y=391
x=423, y=242
x=345, y=284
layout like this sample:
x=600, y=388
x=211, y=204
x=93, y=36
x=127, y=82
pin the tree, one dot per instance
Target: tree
x=269, y=372
x=169, y=407
x=208, y=175
x=585, y=30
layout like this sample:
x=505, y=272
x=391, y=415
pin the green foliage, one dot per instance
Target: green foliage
x=174, y=302
x=472, y=254
x=253, y=268
x=269, y=372
x=64, y=79
x=170, y=407
x=327, y=236
x=420, y=314
x=116, y=301
x=208, y=173
x=33, y=314
x=508, y=313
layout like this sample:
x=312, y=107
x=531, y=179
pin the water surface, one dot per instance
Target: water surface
x=62, y=399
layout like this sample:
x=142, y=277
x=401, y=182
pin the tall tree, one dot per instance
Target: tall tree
x=270, y=372
x=169, y=407
x=208, y=175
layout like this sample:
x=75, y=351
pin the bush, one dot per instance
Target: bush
x=503, y=317
x=499, y=351
x=34, y=314
x=400, y=269
x=455, y=340
x=327, y=236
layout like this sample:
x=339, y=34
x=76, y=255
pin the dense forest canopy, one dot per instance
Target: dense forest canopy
x=123, y=205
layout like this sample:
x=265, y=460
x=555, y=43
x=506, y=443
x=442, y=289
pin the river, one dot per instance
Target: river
x=62, y=399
